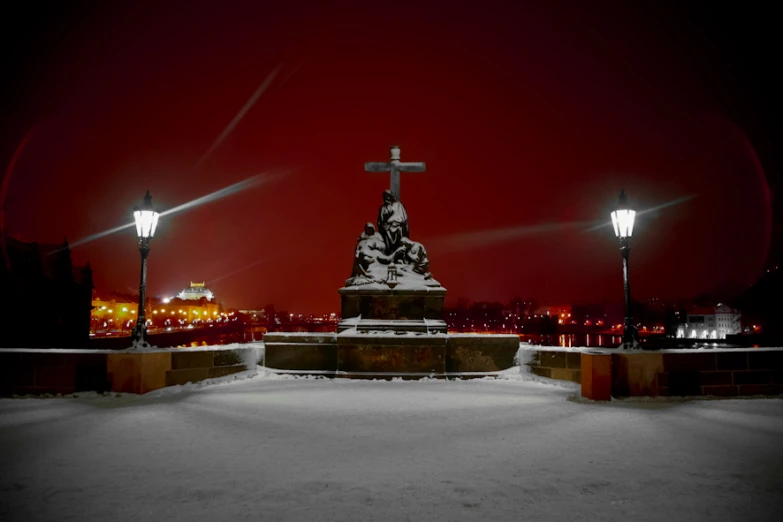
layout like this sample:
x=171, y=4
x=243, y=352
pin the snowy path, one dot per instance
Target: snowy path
x=305, y=449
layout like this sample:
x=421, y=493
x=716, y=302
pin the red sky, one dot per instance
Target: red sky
x=525, y=117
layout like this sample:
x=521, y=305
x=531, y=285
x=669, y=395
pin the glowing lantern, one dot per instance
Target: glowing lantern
x=146, y=218
x=623, y=218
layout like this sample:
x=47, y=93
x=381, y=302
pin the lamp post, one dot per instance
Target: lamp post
x=146, y=220
x=622, y=221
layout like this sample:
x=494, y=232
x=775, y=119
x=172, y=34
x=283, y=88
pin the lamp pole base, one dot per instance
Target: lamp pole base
x=630, y=336
x=139, y=337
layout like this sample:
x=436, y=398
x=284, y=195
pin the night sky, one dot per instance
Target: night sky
x=530, y=119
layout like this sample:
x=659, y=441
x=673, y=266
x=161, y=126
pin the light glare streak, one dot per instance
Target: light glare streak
x=642, y=212
x=245, y=184
x=241, y=114
x=238, y=270
x=276, y=254
x=240, y=186
x=486, y=238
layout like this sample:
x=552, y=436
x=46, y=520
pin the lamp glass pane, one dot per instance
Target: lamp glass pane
x=623, y=222
x=146, y=220
x=137, y=219
x=615, y=224
x=622, y=215
x=155, y=217
x=631, y=219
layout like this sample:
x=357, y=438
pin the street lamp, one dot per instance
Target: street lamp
x=622, y=221
x=146, y=220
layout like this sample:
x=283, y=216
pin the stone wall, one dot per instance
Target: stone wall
x=724, y=373
x=716, y=373
x=389, y=354
x=560, y=365
x=38, y=372
x=301, y=351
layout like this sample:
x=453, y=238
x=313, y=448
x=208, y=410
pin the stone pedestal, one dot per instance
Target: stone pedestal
x=396, y=354
x=390, y=354
x=138, y=372
x=597, y=375
x=401, y=309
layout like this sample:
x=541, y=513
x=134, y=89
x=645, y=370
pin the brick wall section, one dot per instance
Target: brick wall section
x=480, y=353
x=441, y=355
x=301, y=352
x=744, y=372
x=560, y=365
x=635, y=374
x=723, y=374
x=720, y=374
x=196, y=366
x=39, y=372
x=596, y=375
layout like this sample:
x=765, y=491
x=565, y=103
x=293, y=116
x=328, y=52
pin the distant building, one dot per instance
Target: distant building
x=710, y=323
x=47, y=299
x=255, y=316
x=113, y=312
x=195, y=305
x=195, y=292
x=560, y=312
x=589, y=314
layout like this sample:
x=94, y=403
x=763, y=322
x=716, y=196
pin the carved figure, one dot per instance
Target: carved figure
x=416, y=256
x=369, y=253
x=392, y=221
x=389, y=244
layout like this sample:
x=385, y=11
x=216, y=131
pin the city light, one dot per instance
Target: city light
x=622, y=221
x=146, y=219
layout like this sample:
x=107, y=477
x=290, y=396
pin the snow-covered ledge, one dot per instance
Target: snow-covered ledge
x=53, y=371
x=720, y=372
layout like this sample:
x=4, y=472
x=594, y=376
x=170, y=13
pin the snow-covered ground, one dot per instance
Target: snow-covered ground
x=302, y=449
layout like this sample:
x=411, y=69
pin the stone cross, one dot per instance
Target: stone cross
x=395, y=167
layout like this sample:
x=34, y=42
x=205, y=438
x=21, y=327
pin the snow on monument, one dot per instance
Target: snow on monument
x=392, y=311
x=391, y=287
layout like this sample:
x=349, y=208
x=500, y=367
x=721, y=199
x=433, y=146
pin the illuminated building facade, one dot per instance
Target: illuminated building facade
x=113, y=313
x=179, y=312
x=195, y=306
x=710, y=323
x=196, y=292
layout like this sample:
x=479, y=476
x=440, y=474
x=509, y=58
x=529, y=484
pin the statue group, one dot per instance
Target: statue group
x=387, y=253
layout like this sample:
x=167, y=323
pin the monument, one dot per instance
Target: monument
x=391, y=287
x=392, y=310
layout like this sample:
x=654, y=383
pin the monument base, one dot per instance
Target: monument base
x=385, y=354
x=377, y=307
